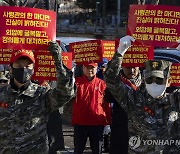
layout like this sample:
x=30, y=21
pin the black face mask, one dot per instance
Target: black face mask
x=22, y=75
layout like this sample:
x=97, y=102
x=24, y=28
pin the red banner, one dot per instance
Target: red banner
x=86, y=52
x=108, y=49
x=45, y=68
x=154, y=25
x=5, y=56
x=27, y=28
x=136, y=55
x=175, y=74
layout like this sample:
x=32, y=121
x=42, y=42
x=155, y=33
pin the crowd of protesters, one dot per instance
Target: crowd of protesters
x=106, y=99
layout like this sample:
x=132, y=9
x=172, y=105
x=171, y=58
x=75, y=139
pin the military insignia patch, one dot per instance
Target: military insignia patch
x=154, y=64
x=3, y=105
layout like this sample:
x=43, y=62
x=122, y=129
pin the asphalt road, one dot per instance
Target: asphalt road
x=68, y=133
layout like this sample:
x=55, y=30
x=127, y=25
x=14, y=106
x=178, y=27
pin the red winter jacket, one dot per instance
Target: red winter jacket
x=89, y=107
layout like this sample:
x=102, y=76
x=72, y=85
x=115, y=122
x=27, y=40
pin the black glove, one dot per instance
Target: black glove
x=56, y=51
x=54, y=48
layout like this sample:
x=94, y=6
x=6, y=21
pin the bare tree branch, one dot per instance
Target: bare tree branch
x=35, y=3
x=17, y=3
x=25, y=3
x=139, y=2
x=155, y=2
x=143, y=2
x=11, y=3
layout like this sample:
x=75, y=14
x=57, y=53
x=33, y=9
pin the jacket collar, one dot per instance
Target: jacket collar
x=85, y=79
x=31, y=90
x=28, y=89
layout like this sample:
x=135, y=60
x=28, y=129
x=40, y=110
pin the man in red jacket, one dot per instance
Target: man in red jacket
x=90, y=112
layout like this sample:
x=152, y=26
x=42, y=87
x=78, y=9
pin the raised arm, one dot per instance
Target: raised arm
x=112, y=78
x=65, y=89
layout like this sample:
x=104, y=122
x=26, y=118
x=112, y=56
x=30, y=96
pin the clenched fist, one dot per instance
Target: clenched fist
x=54, y=48
x=124, y=44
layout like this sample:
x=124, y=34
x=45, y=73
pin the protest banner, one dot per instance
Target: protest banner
x=92, y=51
x=136, y=55
x=26, y=28
x=154, y=25
x=175, y=74
x=5, y=55
x=86, y=52
x=108, y=49
x=45, y=68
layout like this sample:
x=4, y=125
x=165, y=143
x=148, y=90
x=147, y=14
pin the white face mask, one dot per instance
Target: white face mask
x=155, y=90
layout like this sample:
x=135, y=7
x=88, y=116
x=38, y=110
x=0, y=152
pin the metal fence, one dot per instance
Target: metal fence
x=106, y=31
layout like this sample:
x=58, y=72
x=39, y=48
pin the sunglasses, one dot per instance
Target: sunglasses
x=156, y=80
x=3, y=81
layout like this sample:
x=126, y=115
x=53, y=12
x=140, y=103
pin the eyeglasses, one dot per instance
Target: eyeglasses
x=3, y=81
x=156, y=80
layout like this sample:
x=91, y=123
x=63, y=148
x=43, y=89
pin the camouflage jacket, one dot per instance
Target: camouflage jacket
x=154, y=124
x=23, y=114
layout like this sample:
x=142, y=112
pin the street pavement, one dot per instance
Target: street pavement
x=68, y=133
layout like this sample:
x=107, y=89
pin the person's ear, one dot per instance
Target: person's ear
x=169, y=80
x=83, y=68
x=33, y=71
x=10, y=70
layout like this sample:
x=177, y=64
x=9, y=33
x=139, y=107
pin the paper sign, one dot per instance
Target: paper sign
x=108, y=49
x=136, y=55
x=26, y=28
x=86, y=52
x=175, y=74
x=45, y=68
x=154, y=25
x=5, y=55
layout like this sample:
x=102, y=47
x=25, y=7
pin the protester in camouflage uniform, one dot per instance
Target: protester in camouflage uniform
x=154, y=123
x=24, y=106
x=131, y=77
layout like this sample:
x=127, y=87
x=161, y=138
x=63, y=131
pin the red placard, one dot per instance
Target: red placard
x=154, y=25
x=67, y=59
x=45, y=68
x=175, y=74
x=108, y=49
x=5, y=55
x=86, y=52
x=136, y=55
x=27, y=28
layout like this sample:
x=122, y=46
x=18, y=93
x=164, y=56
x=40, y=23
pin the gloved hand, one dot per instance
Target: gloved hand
x=73, y=70
x=55, y=51
x=107, y=129
x=54, y=48
x=178, y=47
x=124, y=44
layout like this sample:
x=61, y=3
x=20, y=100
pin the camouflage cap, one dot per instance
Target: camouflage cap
x=157, y=68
